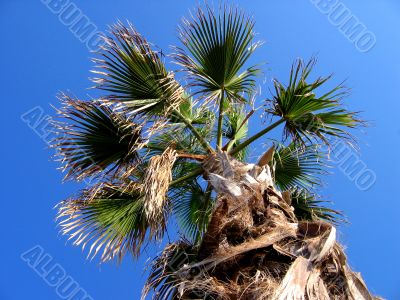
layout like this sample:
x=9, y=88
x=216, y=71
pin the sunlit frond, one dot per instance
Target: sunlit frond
x=309, y=208
x=235, y=130
x=179, y=138
x=111, y=219
x=296, y=166
x=196, y=115
x=132, y=72
x=192, y=205
x=217, y=46
x=307, y=116
x=94, y=139
x=235, y=125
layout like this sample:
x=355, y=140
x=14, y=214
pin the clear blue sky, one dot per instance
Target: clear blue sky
x=40, y=56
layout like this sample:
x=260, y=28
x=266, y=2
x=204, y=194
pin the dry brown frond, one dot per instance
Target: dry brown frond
x=156, y=183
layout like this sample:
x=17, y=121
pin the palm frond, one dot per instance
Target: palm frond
x=164, y=279
x=180, y=138
x=235, y=130
x=182, y=169
x=135, y=74
x=196, y=115
x=217, y=48
x=111, y=218
x=93, y=138
x=308, y=208
x=297, y=166
x=307, y=116
x=235, y=124
x=192, y=206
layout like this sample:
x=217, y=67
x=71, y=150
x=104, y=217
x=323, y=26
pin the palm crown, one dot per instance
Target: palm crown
x=146, y=139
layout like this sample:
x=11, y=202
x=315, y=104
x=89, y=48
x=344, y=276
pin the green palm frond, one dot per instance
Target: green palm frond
x=110, y=218
x=192, y=206
x=164, y=277
x=135, y=74
x=180, y=139
x=235, y=125
x=308, y=208
x=296, y=166
x=183, y=167
x=235, y=130
x=196, y=115
x=93, y=138
x=308, y=116
x=217, y=48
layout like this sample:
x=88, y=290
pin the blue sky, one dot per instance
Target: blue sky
x=41, y=56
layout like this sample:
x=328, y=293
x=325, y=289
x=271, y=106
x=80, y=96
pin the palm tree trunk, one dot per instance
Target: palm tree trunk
x=255, y=248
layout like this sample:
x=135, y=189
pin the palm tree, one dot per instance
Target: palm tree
x=162, y=144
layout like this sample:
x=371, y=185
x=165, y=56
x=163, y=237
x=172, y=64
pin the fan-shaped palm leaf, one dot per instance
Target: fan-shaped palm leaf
x=307, y=207
x=218, y=47
x=196, y=115
x=296, y=166
x=235, y=130
x=235, y=125
x=111, y=218
x=135, y=74
x=180, y=138
x=92, y=137
x=192, y=205
x=306, y=115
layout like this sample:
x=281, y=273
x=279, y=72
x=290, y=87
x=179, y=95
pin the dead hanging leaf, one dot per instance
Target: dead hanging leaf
x=155, y=185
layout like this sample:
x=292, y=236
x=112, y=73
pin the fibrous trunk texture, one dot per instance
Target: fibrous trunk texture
x=255, y=248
